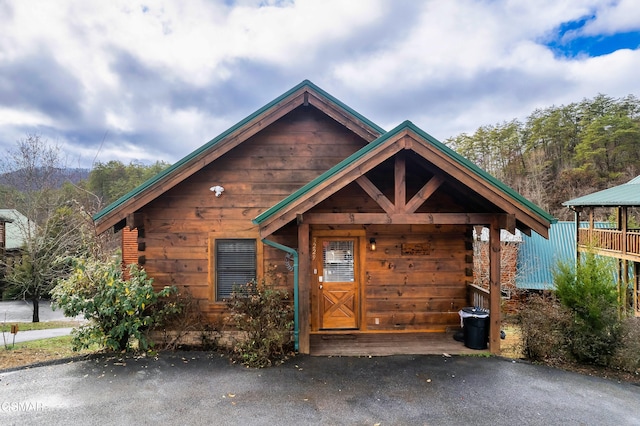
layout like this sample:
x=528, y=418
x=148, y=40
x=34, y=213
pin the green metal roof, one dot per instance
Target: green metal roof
x=209, y=145
x=407, y=125
x=627, y=194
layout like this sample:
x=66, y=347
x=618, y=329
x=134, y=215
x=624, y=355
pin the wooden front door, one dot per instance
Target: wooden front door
x=336, y=275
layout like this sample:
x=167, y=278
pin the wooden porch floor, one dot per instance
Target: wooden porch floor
x=385, y=344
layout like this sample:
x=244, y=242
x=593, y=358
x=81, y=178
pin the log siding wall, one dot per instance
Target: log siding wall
x=257, y=174
x=421, y=290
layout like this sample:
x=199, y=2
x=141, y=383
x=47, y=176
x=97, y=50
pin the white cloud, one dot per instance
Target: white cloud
x=149, y=74
x=23, y=118
x=612, y=17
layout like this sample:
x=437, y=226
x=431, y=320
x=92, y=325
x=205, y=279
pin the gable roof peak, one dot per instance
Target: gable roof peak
x=230, y=138
x=392, y=136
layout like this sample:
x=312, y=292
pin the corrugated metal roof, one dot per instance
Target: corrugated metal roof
x=538, y=257
x=627, y=194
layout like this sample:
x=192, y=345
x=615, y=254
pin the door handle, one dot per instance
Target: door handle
x=320, y=286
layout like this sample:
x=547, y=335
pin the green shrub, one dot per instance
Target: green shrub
x=589, y=291
x=264, y=316
x=117, y=310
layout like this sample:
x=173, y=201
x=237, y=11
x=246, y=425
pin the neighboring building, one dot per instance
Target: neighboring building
x=622, y=240
x=539, y=256
x=14, y=229
x=17, y=228
x=370, y=230
x=3, y=234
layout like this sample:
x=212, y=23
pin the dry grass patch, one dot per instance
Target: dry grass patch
x=37, y=351
x=511, y=346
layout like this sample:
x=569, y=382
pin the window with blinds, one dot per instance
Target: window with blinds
x=235, y=265
x=337, y=259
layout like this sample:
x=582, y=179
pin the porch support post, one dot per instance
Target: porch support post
x=623, y=282
x=636, y=290
x=577, y=214
x=304, y=268
x=495, y=322
x=623, y=285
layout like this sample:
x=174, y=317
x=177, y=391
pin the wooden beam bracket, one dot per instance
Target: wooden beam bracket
x=508, y=222
x=375, y=194
x=423, y=195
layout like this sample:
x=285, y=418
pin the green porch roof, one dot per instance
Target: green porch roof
x=407, y=125
x=627, y=194
x=211, y=144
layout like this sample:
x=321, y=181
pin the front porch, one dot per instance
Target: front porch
x=384, y=247
x=355, y=343
x=386, y=344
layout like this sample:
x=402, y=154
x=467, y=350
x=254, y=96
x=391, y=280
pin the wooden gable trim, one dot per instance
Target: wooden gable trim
x=406, y=218
x=400, y=179
x=469, y=179
x=328, y=187
x=307, y=94
x=424, y=193
x=352, y=123
x=410, y=207
x=198, y=162
x=375, y=194
x=405, y=136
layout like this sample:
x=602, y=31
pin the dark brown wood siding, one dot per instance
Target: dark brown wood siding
x=179, y=225
x=416, y=279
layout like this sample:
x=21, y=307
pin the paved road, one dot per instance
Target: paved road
x=22, y=311
x=198, y=388
x=29, y=335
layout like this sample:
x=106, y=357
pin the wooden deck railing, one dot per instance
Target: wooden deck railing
x=612, y=240
x=633, y=242
x=478, y=296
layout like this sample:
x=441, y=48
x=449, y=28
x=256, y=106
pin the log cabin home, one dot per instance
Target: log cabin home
x=370, y=231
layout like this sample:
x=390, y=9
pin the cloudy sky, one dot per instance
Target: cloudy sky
x=153, y=80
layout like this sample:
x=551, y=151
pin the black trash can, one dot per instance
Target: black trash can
x=475, y=327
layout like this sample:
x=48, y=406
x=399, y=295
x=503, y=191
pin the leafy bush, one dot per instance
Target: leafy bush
x=264, y=316
x=117, y=309
x=543, y=322
x=588, y=290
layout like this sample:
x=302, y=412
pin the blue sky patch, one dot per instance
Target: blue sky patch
x=570, y=43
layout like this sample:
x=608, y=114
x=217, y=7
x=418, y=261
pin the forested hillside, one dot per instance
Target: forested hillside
x=561, y=152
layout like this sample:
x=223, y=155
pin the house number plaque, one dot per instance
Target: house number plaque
x=416, y=249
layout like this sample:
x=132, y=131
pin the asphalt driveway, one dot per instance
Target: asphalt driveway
x=198, y=388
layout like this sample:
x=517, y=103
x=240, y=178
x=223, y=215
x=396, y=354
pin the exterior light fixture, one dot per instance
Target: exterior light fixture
x=218, y=190
x=372, y=244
